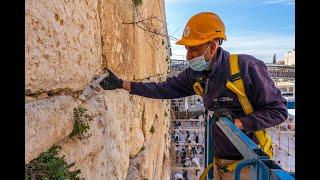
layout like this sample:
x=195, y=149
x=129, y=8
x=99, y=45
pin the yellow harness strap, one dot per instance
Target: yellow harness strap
x=236, y=85
x=197, y=88
x=205, y=171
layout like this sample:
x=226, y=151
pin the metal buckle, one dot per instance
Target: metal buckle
x=223, y=169
x=235, y=77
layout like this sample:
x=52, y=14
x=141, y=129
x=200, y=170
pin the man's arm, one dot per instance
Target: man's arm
x=174, y=87
x=268, y=104
x=126, y=86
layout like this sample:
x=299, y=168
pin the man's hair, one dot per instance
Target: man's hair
x=218, y=41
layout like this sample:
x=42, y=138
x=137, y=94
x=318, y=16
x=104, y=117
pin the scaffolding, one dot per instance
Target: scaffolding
x=283, y=141
x=261, y=167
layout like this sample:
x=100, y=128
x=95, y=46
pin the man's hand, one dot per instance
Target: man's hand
x=238, y=123
x=222, y=112
x=111, y=82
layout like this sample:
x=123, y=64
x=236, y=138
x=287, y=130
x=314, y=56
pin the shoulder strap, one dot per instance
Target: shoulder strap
x=236, y=85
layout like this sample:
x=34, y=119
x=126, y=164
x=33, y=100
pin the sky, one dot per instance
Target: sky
x=260, y=28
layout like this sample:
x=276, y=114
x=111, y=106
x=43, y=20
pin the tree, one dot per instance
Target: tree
x=274, y=61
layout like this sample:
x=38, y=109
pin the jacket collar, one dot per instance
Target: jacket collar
x=221, y=54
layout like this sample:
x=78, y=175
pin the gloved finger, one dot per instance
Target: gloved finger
x=111, y=73
x=95, y=77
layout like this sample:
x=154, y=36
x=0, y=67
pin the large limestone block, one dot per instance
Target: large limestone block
x=126, y=110
x=134, y=133
x=118, y=39
x=151, y=46
x=155, y=152
x=103, y=155
x=115, y=135
x=128, y=50
x=62, y=44
x=152, y=162
x=67, y=42
x=47, y=122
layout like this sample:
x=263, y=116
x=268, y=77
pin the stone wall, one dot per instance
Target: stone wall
x=67, y=42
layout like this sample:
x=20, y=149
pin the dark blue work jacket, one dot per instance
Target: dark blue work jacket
x=268, y=104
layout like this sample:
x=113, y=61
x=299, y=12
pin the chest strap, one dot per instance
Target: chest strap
x=236, y=85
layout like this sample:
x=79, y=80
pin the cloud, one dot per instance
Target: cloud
x=283, y=2
x=261, y=45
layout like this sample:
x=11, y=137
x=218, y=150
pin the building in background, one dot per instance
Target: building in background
x=288, y=59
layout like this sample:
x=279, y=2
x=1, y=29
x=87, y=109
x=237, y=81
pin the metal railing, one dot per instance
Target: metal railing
x=261, y=167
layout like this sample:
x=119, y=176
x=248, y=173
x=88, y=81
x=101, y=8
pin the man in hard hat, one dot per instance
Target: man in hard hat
x=219, y=83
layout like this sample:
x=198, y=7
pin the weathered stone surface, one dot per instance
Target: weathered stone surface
x=154, y=161
x=67, y=42
x=62, y=44
x=128, y=50
x=155, y=151
x=47, y=122
x=103, y=155
x=117, y=135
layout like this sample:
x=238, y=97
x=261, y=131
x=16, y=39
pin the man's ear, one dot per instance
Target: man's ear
x=213, y=47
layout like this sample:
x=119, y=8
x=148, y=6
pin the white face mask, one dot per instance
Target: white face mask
x=199, y=63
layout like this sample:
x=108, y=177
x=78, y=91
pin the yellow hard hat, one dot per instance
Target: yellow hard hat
x=201, y=28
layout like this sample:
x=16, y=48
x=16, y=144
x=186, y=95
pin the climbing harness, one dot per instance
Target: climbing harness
x=236, y=85
x=198, y=88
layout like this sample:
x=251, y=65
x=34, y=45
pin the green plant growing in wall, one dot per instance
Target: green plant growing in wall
x=50, y=166
x=152, y=130
x=137, y=2
x=142, y=148
x=165, y=114
x=81, y=124
x=80, y=111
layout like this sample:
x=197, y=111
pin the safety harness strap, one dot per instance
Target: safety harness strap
x=222, y=169
x=197, y=88
x=205, y=171
x=263, y=137
x=236, y=84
